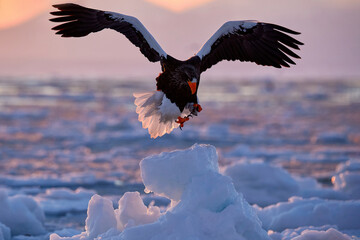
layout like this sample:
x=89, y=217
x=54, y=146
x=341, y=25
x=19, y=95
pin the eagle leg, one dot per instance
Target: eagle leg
x=181, y=121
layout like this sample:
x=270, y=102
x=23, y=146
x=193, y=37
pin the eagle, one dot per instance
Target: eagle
x=175, y=99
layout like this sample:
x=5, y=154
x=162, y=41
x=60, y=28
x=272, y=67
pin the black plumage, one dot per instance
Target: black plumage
x=80, y=21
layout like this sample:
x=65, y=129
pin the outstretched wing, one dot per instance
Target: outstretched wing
x=251, y=41
x=78, y=21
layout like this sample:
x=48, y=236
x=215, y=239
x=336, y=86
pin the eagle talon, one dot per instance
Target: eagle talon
x=181, y=121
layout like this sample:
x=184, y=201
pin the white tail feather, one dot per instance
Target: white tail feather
x=156, y=112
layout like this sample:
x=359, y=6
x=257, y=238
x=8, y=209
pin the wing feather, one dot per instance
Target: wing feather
x=78, y=21
x=263, y=43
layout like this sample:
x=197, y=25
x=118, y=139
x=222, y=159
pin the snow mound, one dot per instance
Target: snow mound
x=310, y=233
x=57, y=201
x=298, y=212
x=347, y=178
x=4, y=232
x=133, y=212
x=348, y=182
x=352, y=165
x=205, y=204
x=322, y=235
x=175, y=170
x=21, y=214
x=265, y=184
x=101, y=216
x=309, y=188
x=262, y=183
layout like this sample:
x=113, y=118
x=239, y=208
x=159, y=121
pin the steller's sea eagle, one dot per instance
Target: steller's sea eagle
x=175, y=98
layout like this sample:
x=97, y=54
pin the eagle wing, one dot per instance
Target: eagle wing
x=251, y=41
x=78, y=21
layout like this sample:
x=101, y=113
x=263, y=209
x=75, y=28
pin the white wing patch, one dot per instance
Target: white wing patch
x=141, y=28
x=156, y=112
x=227, y=28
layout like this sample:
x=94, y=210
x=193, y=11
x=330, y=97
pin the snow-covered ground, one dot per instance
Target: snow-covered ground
x=70, y=153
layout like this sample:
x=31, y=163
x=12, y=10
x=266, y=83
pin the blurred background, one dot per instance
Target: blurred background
x=68, y=127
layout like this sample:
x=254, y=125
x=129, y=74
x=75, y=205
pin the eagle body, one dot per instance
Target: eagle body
x=175, y=99
x=175, y=78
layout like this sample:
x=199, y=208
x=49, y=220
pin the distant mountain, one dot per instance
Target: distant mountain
x=332, y=40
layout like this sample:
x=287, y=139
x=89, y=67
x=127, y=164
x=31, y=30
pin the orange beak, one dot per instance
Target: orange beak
x=192, y=87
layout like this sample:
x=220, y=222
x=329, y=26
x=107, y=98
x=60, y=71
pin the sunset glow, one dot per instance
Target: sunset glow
x=179, y=5
x=14, y=12
x=179, y=119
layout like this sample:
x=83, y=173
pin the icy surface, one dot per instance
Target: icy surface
x=208, y=208
x=310, y=233
x=351, y=166
x=62, y=200
x=299, y=212
x=4, y=232
x=347, y=179
x=262, y=183
x=132, y=211
x=69, y=134
x=101, y=217
x=348, y=182
x=175, y=170
x=322, y=235
x=21, y=214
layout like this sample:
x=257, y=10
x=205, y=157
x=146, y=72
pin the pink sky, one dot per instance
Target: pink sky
x=329, y=31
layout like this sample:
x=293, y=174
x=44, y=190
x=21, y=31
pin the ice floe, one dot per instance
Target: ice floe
x=87, y=136
x=58, y=201
x=21, y=214
x=326, y=232
x=205, y=204
x=298, y=212
x=262, y=183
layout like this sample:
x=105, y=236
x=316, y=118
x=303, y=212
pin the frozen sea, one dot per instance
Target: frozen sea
x=285, y=144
